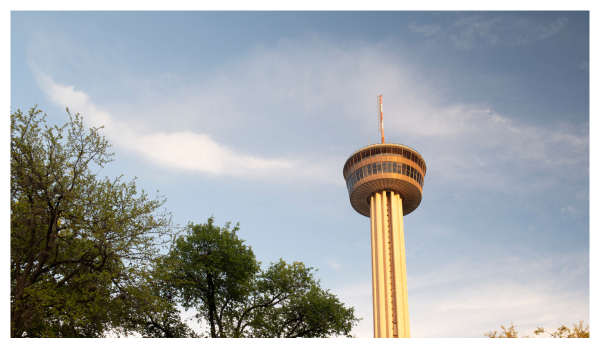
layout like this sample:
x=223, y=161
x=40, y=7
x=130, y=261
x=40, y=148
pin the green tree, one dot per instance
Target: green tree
x=154, y=312
x=562, y=332
x=219, y=276
x=80, y=245
x=85, y=255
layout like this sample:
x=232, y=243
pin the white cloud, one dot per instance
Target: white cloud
x=555, y=27
x=468, y=299
x=183, y=150
x=426, y=30
x=509, y=156
x=301, y=97
x=315, y=88
x=474, y=31
x=571, y=211
x=334, y=264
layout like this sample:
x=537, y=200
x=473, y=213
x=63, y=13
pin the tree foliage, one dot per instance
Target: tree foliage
x=219, y=276
x=578, y=331
x=79, y=244
x=86, y=261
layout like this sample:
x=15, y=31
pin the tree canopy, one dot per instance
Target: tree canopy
x=219, y=276
x=79, y=244
x=86, y=255
x=578, y=331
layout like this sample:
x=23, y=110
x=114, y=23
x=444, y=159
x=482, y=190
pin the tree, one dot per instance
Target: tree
x=562, y=332
x=85, y=255
x=215, y=273
x=80, y=245
x=509, y=332
x=154, y=312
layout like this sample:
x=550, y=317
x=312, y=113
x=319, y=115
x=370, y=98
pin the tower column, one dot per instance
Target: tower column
x=374, y=260
x=381, y=264
x=390, y=296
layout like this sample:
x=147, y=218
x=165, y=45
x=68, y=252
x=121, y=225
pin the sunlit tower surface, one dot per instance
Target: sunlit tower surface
x=385, y=183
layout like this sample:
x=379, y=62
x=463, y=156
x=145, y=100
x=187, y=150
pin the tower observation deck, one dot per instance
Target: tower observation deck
x=385, y=183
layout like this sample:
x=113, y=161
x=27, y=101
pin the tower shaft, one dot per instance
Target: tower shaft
x=390, y=295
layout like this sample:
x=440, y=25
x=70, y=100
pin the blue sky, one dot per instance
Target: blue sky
x=249, y=116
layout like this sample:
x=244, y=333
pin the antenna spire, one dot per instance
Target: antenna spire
x=380, y=115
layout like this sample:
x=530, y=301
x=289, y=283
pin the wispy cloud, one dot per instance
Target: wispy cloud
x=475, y=31
x=501, y=153
x=182, y=150
x=470, y=298
x=300, y=97
x=573, y=211
x=281, y=112
x=334, y=264
x=427, y=30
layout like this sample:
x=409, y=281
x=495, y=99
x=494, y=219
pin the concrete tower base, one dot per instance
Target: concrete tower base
x=390, y=295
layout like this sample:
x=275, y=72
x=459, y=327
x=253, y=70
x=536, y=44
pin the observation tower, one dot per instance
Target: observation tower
x=385, y=183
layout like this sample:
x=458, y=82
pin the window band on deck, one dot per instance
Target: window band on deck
x=363, y=154
x=383, y=167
